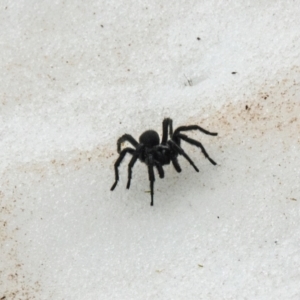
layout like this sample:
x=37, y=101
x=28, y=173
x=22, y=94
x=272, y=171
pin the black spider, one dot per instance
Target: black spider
x=155, y=154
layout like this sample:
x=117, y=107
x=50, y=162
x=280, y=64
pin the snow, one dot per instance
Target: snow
x=76, y=76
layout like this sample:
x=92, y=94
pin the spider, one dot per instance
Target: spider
x=155, y=154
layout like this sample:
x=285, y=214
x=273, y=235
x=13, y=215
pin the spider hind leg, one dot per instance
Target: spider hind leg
x=197, y=144
x=181, y=152
x=193, y=127
x=130, y=166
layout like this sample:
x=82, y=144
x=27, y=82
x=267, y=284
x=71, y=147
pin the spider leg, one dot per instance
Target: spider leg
x=165, y=126
x=171, y=127
x=181, y=152
x=197, y=144
x=124, y=138
x=176, y=164
x=130, y=166
x=117, y=164
x=160, y=170
x=152, y=179
x=193, y=127
x=167, y=123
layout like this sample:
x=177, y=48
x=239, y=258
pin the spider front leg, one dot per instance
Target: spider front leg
x=117, y=164
x=152, y=179
x=160, y=170
x=126, y=138
x=176, y=164
x=166, y=124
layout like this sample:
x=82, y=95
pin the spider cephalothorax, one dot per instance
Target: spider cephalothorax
x=155, y=154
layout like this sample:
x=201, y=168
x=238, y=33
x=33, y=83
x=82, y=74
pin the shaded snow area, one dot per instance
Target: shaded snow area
x=77, y=75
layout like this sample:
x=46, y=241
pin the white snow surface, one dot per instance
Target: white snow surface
x=75, y=76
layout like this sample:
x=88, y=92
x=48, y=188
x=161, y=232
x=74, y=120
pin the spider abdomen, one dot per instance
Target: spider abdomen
x=149, y=138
